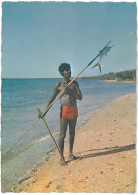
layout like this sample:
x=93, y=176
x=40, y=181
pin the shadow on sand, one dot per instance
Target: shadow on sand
x=108, y=151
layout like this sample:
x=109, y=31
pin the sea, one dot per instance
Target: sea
x=20, y=99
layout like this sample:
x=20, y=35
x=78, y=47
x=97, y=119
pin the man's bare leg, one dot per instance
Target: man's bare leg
x=63, y=130
x=72, y=125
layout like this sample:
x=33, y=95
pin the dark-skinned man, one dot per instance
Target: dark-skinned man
x=68, y=110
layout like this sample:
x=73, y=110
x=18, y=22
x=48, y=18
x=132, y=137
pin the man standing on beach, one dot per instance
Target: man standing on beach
x=68, y=110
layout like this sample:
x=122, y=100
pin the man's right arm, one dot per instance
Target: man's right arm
x=55, y=92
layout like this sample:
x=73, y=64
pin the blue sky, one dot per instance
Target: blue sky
x=38, y=36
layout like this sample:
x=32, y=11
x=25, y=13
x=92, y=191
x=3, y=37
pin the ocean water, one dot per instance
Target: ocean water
x=20, y=98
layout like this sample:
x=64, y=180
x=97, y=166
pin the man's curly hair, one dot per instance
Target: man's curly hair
x=63, y=66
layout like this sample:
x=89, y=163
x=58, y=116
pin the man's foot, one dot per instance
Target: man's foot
x=72, y=157
x=62, y=162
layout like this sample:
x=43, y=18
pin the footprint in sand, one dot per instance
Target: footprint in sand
x=34, y=180
x=110, y=164
x=127, y=185
x=121, y=171
x=81, y=181
x=58, y=187
x=48, y=185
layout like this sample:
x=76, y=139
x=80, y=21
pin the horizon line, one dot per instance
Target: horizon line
x=71, y=77
x=61, y=78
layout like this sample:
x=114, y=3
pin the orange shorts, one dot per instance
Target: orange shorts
x=68, y=112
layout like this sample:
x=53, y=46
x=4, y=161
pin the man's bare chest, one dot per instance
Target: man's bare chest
x=63, y=85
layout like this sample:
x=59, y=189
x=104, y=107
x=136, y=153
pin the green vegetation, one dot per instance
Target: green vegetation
x=128, y=75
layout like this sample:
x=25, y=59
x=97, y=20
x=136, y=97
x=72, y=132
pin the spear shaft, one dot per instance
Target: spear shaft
x=46, y=110
x=39, y=112
x=24, y=134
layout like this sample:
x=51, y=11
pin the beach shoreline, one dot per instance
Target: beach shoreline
x=105, y=145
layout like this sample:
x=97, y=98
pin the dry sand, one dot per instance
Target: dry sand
x=125, y=81
x=105, y=144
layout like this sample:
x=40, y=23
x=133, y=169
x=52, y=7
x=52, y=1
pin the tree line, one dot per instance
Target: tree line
x=127, y=75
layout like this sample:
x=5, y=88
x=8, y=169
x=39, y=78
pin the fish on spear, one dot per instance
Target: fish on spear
x=102, y=54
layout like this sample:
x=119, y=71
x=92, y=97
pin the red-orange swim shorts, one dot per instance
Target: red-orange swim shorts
x=68, y=112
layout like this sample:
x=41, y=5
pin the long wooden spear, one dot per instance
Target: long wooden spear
x=39, y=112
x=102, y=52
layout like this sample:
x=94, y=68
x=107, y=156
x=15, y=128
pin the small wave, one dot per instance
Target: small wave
x=45, y=137
x=8, y=156
x=41, y=139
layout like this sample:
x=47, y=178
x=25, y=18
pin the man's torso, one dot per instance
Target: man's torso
x=67, y=99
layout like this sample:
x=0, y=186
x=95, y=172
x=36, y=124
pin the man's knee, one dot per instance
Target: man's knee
x=72, y=133
x=62, y=136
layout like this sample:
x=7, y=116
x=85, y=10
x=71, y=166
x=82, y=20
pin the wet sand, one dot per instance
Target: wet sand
x=105, y=147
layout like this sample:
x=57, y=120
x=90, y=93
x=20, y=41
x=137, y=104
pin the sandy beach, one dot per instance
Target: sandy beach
x=125, y=81
x=105, y=147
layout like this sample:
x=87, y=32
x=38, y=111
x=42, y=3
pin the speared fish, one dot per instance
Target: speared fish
x=102, y=54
